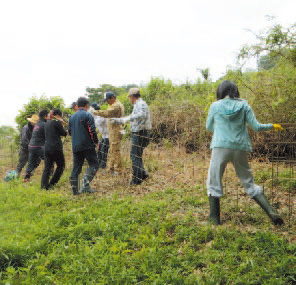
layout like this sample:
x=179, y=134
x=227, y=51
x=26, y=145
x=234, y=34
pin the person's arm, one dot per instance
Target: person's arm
x=61, y=131
x=210, y=120
x=69, y=127
x=138, y=112
x=111, y=112
x=92, y=129
x=254, y=124
x=26, y=136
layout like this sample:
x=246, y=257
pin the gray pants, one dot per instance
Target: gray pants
x=239, y=159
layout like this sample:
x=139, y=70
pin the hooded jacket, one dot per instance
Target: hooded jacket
x=83, y=131
x=228, y=119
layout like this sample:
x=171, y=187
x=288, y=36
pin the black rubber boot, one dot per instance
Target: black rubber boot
x=85, y=184
x=214, y=217
x=74, y=185
x=264, y=204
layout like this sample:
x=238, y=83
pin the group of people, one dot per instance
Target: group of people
x=41, y=139
x=227, y=119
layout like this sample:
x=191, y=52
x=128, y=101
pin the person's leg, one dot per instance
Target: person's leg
x=244, y=173
x=136, y=158
x=78, y=159
x=59, y=159
x=48, y=162
x=104, y=153
x=23, y=159
x=116, y=152
x=145, y=140
x=90, y=173
x=34, y=160
x=100, y=152
x=219, y=160
x=111, y=158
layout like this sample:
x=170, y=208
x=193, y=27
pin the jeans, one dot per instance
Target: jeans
x=50, y=158
x=35, y=156
x=139, y=141
x=219, y=161
x=103, y=152
x=78, y=160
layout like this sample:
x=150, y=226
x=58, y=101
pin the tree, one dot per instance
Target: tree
x=35, y=105
x=97, y=94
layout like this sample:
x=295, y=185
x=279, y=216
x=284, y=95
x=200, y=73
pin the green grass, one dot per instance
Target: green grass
x=158, y=238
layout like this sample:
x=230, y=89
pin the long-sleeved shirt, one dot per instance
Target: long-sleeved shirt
x=38, y=135
x=101, y=124
x=53, y=132
x=140, y=117
x=26, y=135
x=116, y=110
x=228, y=119
x=83, y=131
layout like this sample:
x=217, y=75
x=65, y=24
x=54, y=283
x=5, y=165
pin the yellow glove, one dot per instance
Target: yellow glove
x=277, y=127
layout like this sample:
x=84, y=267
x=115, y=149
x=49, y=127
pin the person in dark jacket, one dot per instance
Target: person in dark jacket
x=26, y=135
x=53, y=150
x=36, y=145
x=84, y=139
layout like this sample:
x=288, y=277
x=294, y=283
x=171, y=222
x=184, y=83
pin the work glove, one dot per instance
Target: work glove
x=119, y=121
x=277, y=127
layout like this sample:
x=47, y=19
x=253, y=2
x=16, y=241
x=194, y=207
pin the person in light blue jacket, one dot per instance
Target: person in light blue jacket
x=227, y=120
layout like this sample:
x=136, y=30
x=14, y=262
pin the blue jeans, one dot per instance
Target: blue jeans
x=103, y=152
x=139, y=141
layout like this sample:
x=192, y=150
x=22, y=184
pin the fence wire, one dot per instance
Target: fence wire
x=169, y=165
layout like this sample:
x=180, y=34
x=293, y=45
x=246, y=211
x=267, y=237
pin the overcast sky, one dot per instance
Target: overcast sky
x=60, y=47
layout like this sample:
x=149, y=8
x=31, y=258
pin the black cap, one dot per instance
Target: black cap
x=96, y=106
x=108, y=95
x=73, y=105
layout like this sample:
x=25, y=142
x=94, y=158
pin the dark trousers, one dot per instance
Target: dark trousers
x=23, y=159
x=139, y=141
x=51, y=157
x=78, y=160
x=103, y=152
x=35, y=156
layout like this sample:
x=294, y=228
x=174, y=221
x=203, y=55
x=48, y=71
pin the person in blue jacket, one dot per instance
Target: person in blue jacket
x=227, y=120
x=84, y=140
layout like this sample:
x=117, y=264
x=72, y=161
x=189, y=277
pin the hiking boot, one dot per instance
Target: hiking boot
x=271, y=213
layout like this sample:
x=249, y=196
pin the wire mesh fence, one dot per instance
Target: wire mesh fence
x=169, y=165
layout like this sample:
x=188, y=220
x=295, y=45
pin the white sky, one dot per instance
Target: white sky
x=60, y=47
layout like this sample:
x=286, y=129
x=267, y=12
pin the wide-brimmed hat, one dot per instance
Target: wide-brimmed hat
x=34, y=119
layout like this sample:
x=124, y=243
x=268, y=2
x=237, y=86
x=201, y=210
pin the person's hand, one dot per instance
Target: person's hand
x=277, y=127
x=119, y=121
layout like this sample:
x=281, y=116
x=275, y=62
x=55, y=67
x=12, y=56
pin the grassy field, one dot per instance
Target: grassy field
x=153, y=234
